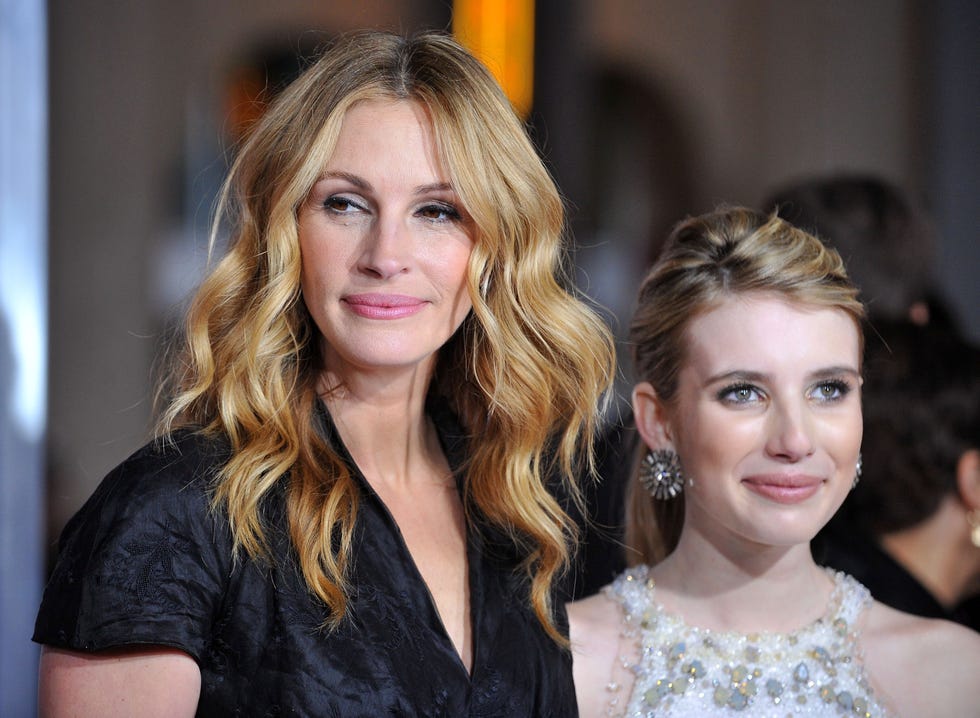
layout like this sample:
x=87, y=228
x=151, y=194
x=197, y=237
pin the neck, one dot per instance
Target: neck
x=748, y=589
x=939, y=553
x=384, y=427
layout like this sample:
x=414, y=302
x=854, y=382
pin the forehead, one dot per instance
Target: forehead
x=384, y=137
x=769, y=333
x=384, y=119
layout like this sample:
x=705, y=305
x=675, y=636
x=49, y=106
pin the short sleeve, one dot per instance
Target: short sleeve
x=146, y=560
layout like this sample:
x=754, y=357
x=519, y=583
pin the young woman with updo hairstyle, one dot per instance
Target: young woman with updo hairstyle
x=347, y=508
x=748, y=347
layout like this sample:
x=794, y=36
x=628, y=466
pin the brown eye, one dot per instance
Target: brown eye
x=341, y=205
x=438, y=213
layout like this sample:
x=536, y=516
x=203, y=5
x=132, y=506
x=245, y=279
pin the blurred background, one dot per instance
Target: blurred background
x=117, y=121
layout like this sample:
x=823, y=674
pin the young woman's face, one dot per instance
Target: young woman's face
x=385, y=245
x=767, y=419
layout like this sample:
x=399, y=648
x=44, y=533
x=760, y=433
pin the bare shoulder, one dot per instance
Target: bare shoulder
x=923, y=666
x=595, y=613
x=595, y=629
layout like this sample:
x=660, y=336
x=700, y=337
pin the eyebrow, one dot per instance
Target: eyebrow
x=361, y=183
x=822, y=373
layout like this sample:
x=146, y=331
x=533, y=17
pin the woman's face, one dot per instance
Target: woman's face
x=385, y=245
x=767, y=419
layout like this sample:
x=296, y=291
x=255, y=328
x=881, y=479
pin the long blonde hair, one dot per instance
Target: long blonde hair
x=527, y=373
x=731, y=251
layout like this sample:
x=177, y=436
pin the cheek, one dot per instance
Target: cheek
x=319, y=266
x=309, y=285
x=457, y=278
x=450, y=269
x=715, y=443
x=307, y=262
x=462, y=305
x=847, y=435
x=318, y=282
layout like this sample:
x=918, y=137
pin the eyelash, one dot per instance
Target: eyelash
x=840, y=387
x=340, y=205
x=726, y=395
x=450, y=212
x=332, y=204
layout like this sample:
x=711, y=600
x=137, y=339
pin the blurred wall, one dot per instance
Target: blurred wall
x=774, y=89
x=23, y=343
x=739, y=95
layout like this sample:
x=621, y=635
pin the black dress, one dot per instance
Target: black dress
x=861, y=556
x=146, y=562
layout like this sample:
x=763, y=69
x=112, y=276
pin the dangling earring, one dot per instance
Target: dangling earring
x=857, y=473
x=661, y=475
x=973, y=518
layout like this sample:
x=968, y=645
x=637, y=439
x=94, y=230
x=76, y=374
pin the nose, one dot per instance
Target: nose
x=790, y=435
x=385, y=249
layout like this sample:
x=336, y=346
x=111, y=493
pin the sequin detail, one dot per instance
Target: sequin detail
x=687, y=671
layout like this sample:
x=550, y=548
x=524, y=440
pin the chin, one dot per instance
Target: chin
x=786, y=533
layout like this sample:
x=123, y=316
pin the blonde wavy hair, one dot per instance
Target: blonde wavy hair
x=706, y=259
x=527, y=373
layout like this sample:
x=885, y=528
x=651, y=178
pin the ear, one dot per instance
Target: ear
x=651, y=418
x=968, y=478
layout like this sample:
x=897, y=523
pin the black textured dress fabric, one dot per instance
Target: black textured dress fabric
x=146, y=561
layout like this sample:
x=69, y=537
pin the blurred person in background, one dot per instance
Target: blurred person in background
x=910, y=531
x=347, y=510
x=885, y=237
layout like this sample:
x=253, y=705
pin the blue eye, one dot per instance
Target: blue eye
x=739, y=394
x=833, y=390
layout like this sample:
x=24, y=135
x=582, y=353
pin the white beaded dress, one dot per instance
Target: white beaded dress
x=682, y=670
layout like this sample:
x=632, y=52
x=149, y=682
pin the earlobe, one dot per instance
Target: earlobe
x=651, y=417
x=968, y=479
x=968, y=486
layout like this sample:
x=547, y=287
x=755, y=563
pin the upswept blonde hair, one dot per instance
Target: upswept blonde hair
x=706, y=259
x=527, y=373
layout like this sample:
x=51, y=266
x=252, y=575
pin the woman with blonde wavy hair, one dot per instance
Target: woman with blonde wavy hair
x=747, y=341
x=347, y=511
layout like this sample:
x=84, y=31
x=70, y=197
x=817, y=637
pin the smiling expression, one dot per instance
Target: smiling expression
x=766, y=420
x=385, y=245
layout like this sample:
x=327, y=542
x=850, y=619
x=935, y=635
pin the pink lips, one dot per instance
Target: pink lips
x=783, y=489
x=383, y=306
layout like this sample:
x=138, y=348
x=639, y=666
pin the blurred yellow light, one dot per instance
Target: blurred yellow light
x=501, y=34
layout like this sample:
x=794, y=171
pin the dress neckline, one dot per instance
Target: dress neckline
x=448, y=433
x=831, y=611
x=680, y=669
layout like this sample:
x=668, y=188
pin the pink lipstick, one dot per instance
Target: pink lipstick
x=383, y=306
x=784, y=489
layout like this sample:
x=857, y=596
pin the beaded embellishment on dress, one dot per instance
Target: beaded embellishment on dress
x=687, y=671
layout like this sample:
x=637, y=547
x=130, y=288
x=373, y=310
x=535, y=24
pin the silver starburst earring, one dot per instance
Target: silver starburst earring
x=857, y=473
x=661, y=475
